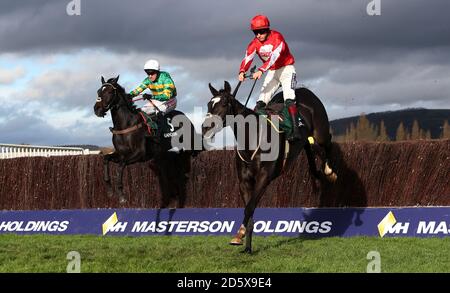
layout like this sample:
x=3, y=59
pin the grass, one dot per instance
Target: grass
x=44, y=253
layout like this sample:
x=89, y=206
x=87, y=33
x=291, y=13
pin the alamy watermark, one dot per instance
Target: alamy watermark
x=374, y=8
x=252, y=133
x=374, y=265
x=74, y=265
x=73, y=8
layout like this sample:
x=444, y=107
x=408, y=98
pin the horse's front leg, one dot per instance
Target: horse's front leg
x=249, y=234
x=262, y=181
x=245, y=190
x=106, y=177
x=122, y=199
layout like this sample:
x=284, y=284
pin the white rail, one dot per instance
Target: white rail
x=10, y=151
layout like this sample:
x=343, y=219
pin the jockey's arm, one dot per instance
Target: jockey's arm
x=248, y=59
x=139, y=89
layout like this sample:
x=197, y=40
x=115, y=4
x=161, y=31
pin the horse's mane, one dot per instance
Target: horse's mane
x=246, y=111
x=125, y=97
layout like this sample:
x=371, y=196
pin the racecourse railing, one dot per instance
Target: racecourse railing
x=10, y=151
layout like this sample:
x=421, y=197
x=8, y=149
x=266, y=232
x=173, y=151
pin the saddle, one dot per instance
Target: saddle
x=158, y=125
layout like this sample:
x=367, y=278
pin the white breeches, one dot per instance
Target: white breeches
x=286, y=77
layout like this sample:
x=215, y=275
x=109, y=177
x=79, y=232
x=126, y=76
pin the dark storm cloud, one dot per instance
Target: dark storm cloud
x=24, y=127
x=202, y=28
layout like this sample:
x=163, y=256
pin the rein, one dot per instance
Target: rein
x=126, y=130
x=109, y=107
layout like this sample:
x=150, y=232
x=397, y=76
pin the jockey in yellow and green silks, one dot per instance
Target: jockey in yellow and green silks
x=161, y=86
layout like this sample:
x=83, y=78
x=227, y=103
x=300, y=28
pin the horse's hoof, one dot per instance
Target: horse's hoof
x=122, y=200
x=236, y=241
x=109, y=193
x=332, y=177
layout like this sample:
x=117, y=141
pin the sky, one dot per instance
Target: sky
x=54, y=52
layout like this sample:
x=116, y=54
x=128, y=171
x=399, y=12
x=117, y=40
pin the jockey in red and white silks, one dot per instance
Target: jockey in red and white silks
x=278, y=62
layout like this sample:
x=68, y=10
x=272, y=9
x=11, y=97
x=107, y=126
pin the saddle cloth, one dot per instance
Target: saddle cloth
x=279, y=112
x=158, y=125
x=150, y=122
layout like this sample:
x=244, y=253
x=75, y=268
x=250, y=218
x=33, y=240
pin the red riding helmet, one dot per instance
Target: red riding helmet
x=259, y=22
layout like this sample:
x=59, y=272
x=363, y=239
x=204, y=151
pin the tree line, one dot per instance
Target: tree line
x=366, y=131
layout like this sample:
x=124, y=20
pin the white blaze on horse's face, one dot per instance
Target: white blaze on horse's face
x=215, y=101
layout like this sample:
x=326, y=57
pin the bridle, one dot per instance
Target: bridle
x=231, y=111
x=110, y=106
x=229, y=105
x=113, y=100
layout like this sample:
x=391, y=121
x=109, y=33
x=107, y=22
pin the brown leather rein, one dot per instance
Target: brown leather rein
x=126, y=130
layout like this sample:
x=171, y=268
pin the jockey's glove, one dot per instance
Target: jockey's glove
x=146, y=96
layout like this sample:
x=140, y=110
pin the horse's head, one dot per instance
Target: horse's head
x=107, y=96
x=220, y=105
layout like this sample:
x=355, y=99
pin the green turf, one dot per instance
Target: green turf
x=43, y=253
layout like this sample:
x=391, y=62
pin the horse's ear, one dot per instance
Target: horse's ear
x=213, y=90
x=115, y=80
x=227, y=87
x=103, y=80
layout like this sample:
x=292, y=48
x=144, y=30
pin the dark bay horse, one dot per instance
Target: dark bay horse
x=131, y=139
x=254, y=171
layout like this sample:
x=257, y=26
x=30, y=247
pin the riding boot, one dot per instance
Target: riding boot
x=292, y=109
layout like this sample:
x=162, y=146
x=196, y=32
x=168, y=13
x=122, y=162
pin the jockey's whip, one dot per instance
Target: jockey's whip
x=138, y=99
x=153, y=104
x=150, y=100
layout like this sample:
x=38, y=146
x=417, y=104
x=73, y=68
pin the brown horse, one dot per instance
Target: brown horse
x=255, y=171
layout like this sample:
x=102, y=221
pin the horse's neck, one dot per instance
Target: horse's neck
x=122, y=116
x=239, y=109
